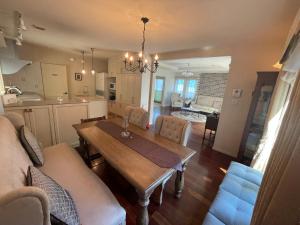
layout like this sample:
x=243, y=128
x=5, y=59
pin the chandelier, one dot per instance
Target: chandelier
x=141, y=63
x=187, y=72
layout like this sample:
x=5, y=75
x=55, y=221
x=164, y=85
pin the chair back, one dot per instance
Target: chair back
x=137, y=116
x=173, y=128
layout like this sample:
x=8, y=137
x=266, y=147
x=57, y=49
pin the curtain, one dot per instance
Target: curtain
x=278, y=198
x=276, y=111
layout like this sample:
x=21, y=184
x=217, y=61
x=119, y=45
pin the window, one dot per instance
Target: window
x=159, y=89
x=2, y=89
x=179, y=86
x=186, y=87
x=191, y=89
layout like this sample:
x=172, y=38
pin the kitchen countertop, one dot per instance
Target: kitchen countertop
x=53, y=101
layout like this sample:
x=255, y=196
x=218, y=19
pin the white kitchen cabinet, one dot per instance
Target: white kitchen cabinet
x=39, y=119
x=65, y=115
x=97, y=108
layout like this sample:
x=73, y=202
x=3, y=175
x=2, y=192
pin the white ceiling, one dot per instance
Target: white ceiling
x=174, y=25
x=200, y=65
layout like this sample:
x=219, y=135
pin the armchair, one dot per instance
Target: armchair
x=176, y=100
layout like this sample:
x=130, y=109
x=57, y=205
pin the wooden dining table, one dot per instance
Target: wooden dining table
x=144, y=175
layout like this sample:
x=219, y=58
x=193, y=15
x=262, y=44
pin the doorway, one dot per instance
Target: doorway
x=159, y=89
x=54, y=80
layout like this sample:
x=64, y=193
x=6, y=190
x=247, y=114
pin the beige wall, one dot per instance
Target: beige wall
x=29, y=78
x=246, y=61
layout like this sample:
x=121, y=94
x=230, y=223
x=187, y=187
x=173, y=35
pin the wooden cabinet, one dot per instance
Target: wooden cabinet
x=257, y=115
x=128, y=87
x=39, y=119
x=65, y=116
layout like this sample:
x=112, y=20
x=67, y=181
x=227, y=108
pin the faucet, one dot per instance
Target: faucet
x=13, y=90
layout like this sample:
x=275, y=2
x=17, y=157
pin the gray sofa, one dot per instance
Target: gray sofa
x=236, y=198
x=23, y=205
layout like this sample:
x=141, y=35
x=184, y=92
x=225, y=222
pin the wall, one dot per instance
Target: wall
x=169, y=76
x=212, y=84
x=246, y=61
x=29, y=78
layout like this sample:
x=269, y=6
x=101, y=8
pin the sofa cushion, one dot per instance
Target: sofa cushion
x=210, y=219
x=95, y=203
x=14, y=159
x=240, y=187
x=230, y=209
x=217, y=105
x=62, y=207
x=31, y=145
x=205, y=100
x=245, y=172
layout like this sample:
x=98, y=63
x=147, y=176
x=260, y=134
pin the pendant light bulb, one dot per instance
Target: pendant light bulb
x=83, y=70
x=92, y=70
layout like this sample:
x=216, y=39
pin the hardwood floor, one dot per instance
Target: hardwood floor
x=202, y=179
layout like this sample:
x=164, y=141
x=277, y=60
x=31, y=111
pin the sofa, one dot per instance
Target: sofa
x=236, y=197
x=207, y=104
x=24, y=205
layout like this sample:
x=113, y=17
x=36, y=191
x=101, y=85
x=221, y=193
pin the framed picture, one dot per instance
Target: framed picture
x=78, y=76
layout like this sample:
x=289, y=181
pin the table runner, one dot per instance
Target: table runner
x=150, y=150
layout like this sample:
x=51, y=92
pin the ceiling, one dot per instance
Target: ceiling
x=200, y=65
x=174, y=25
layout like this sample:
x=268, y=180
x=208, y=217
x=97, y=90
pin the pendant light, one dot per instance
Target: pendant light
x=83, y=70
x=92, y=70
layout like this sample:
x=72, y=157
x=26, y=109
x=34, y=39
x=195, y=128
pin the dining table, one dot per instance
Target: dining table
x=145, y=175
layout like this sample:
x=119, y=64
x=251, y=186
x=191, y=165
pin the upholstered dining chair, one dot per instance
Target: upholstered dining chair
x=137, y=116
x=173, y=128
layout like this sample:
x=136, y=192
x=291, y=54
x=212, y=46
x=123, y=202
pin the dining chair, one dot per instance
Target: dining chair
x=137, y=116
x=88, y=148
x=173, y=128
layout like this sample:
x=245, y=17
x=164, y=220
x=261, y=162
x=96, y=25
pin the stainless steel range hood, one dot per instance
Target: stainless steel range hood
x=9, y=60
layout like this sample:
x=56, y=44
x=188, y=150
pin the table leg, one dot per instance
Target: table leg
x=81, y=141
x=179, y=182
x=143, y=216
x=157, y=196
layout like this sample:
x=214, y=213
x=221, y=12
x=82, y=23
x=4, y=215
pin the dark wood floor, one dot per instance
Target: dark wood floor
x=204, y=174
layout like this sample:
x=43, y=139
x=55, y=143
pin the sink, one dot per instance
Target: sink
x=30, y=97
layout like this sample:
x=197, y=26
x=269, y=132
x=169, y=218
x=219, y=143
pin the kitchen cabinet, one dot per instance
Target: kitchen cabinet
x=52, y=124
x=39, y=119
x=65, y=115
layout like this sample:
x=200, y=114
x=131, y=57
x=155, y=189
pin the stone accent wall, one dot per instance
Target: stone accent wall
x=212, y=84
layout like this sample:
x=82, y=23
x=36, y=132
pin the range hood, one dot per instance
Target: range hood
x=9, y=60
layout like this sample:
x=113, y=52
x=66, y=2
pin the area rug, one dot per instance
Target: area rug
x=190, y=116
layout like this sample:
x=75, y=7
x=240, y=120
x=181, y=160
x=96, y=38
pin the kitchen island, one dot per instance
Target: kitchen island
x=51, y=120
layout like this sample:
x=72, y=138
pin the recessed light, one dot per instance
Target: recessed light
x=38, y=27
